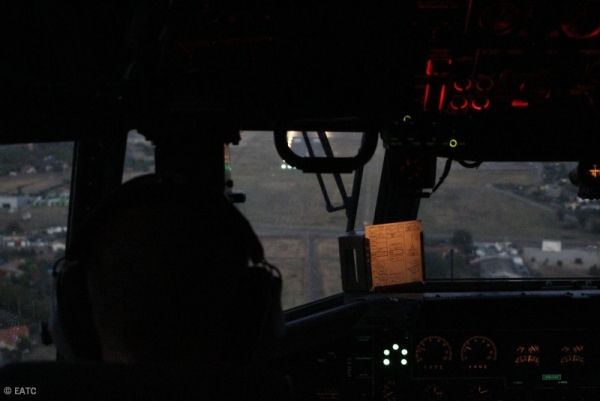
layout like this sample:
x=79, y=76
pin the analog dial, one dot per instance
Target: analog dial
x=479, y=393
x=434, y=392
x=478, y=353
x=433, y=353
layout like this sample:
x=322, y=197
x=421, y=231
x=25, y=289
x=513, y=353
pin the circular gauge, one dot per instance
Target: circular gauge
x=478, y=353
x=434, y=392
x=433, y=353
x=479, y=393
x=389, y=391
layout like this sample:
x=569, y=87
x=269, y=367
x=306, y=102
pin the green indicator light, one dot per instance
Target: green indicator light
x=453, y=143
x=404, y=352
x=406, y=118
x=551, y=377
x=404, y=362
x=386, y=362
x=386, y=352
x=396, y=347
x=283, y=166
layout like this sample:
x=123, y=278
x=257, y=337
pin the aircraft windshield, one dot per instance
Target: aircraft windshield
x=503, y=220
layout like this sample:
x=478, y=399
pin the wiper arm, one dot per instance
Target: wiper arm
x=338, y=179
x=350, y=203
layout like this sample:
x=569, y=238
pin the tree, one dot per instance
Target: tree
x=463, y=240
x=24, y=344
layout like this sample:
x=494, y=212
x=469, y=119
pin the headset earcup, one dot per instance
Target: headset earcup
x=275, y=323
x=262, y=310
x=71, y=324
x=55, y=327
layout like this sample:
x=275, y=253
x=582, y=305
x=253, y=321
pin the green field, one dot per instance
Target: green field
x=467, y=200
x=35, y=184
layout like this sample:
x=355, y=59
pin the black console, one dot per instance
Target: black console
x=494, y=346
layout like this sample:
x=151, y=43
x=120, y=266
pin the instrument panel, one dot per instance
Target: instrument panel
x=493, y=365
x=526, y=353
x=488, y=365
x=485, y=348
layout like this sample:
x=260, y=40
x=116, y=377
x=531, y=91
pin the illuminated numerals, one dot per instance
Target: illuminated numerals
x=572, y=359
x=526, y=355
x=572, y=355
x=433, y=367
x=527, y=359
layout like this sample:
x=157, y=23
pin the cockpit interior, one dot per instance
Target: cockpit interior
x=477, y=121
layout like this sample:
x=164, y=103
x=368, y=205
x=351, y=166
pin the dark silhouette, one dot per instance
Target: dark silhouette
x=167, y=270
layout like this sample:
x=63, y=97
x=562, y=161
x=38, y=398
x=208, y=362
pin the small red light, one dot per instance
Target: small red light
x=480, y=103
x=426, y=99
x=429, y=69
x=519, y=103
x=463, y=86
x=442, y=97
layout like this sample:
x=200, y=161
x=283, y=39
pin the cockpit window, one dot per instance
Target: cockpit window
x=35, y=184
x=139, y=156
x=288, y=211
x=508, y=220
